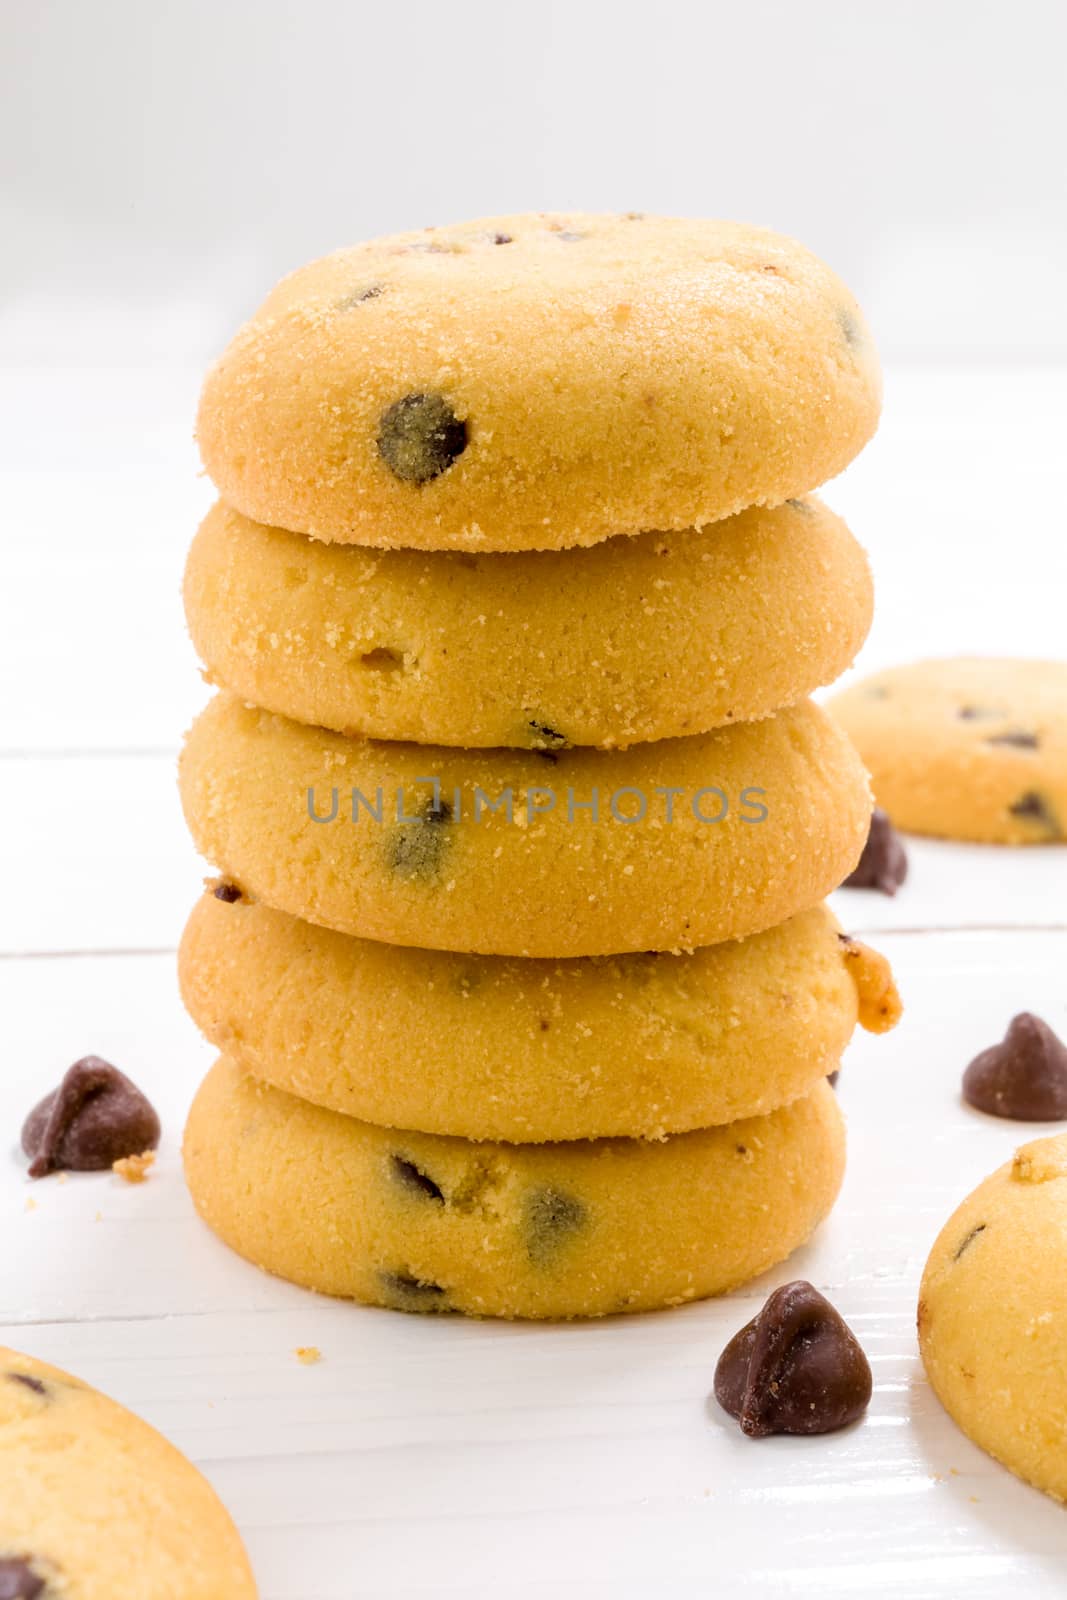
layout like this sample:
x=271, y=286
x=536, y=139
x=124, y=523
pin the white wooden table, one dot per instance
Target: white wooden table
x=440, y=1456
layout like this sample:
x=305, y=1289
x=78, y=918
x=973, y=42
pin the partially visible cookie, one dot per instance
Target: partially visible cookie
x=423, y=1223
x=993, y=1315
x=974, y=748
x=643, y=638
x=541, y=381
x=94, y=1503
x=663, y=846
x=493, y=1047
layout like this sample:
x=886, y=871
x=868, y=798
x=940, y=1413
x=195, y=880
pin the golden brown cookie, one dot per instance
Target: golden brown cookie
x=95, y=1504
x=635, y=639
x=535, y=382
x=993, y=1315
x=423, y=1223
x=352, y=834
x=974, y=748
x=493, y=1047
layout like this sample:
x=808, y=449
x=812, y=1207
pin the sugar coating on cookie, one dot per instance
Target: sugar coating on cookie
x=970, y=748
x=664, y=846
x=419, y=1222
x=644, y=638
x=540, y=381
x=489, y=1047
x=95, y=1503
x=993, y=1315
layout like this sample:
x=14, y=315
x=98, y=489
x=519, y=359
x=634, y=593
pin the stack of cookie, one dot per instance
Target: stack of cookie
x=518, y=962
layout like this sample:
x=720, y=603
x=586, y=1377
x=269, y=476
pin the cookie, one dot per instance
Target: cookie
x=391, y=857
x=643, y=638
x=536, y=382
x=94, y=1503
x=974, y=748
x=496, y=1048
x=420, y=1222
x=993, y=1315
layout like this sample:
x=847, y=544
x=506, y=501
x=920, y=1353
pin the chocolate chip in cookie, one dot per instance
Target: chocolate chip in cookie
x=797, y=1367
x=417, y=848
x=1033, y=807
x=18, y=1581
x=228, y=893
x=883, y=864
x=415, y=1181
x=409, y=1293
x=1016, y=739
x=550, y=1219
x=95, y=1118
x=1024, y=1077
x=420, y=436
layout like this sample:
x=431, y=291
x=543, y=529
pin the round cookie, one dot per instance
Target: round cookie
x=536, y=382
x=495, y=1048
x=636, y=639
x=94, y=1503
x=391, y=858
x=420, y=1222
x=974, y=748
x=993, y=1315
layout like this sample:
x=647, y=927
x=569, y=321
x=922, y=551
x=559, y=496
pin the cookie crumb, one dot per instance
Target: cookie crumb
x=308, y=1355
x=134, y=1168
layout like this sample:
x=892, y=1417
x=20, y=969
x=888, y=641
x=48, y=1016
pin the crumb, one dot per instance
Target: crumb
x=31, y=1204
x=308, y=1354
x=63, y=1176
x=99, y=1217
x=134, y=1168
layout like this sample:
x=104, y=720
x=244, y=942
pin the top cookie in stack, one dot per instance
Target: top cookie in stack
x=539, y=382
x=516, y=593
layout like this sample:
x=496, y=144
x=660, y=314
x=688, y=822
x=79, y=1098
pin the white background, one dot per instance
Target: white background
x=162, y=164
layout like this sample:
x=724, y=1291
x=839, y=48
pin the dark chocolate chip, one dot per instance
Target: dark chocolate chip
x=550, y=1218
x=500, y=238
x=28, y=1381
x=851, y=328
x=1017, y=738
x=1033, y=807
x=227, y=892
x=420, y=436
x=413, y=1294
x=94, y=1118
x=968, y=1239
x=543, y=735
x=359, y=296
x=1024, y=1077
x=978, y=713
x=18, y=1581
x=804, y=506
x=797, y=1367
x=883, y=864
x=415, y=1181
x=416, y=849
x=832, y=1077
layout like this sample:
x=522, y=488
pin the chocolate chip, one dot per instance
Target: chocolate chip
x=94, y=1118
x=550, y=1217
x=978, y=713
x=420, y=436
x=883, y=864
x=968, y=1239
x=797, y=1367
x=804, y=506
x=1024, y=1077
x=851, y=328
x=832, y=1077
x=359, y=296
x=28, y=1381
x=1017, y=738
x=416, y=849
x=1033, y=807
x=229, y=893
x=500, y=238
x=413, y=1294
x=18, y=1581
x=415, y=1181
x=542, y=734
